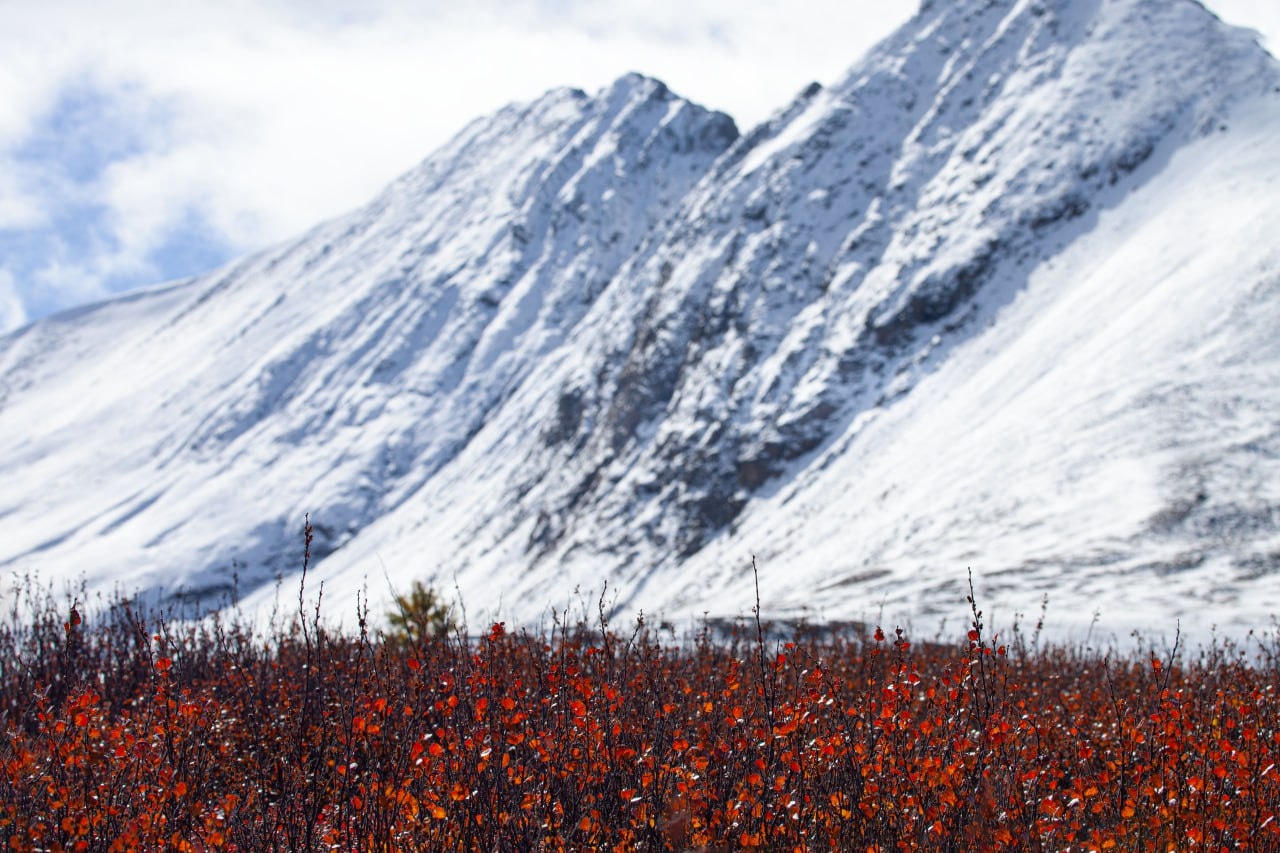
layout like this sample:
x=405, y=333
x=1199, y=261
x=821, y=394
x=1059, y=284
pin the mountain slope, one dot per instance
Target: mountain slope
x=861, y=240
x=1002, y=297
x=1110, y=441
x=337, y=373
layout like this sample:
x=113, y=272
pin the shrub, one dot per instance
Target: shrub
x=125, y=733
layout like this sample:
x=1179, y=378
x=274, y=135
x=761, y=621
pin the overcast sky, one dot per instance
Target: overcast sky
x=145, y=141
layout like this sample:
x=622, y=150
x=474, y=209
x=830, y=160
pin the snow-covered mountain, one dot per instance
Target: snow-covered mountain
x=1006, y=296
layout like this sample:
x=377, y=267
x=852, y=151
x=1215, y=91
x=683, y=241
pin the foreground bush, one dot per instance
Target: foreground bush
x=120, y=734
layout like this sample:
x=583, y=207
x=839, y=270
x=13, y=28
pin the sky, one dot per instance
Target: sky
x=142, y=142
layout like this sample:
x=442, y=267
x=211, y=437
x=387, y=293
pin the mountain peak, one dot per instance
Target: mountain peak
x=633, y=81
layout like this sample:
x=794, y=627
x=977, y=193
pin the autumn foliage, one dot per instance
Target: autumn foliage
x=123, y=733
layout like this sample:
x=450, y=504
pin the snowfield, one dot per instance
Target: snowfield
x=1005, y=297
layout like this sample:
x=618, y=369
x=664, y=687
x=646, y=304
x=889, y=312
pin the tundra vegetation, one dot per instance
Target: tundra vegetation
x=124, y=731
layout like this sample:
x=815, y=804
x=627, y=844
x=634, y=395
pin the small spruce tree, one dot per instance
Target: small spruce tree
x=419, y=616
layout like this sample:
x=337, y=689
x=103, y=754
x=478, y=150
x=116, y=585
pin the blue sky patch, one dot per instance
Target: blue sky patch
x=75, y=254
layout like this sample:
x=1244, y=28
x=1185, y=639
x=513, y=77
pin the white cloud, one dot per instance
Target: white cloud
x=18, y=208
x=12, y=314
